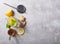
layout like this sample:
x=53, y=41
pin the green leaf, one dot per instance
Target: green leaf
x=7, y=26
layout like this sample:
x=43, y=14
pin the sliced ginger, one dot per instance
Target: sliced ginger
x=22, y=18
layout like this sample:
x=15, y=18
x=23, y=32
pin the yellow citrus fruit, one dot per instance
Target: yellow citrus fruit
x=20, y=31
x=9, y=13
x=12, y=21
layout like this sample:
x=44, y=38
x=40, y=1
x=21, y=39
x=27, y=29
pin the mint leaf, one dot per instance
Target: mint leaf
x=7, y=26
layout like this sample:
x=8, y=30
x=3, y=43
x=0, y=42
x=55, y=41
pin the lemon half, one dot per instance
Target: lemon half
x=12, y=21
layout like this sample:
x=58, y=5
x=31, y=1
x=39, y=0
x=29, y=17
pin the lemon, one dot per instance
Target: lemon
x=9, y=12
x=12, y=21
x=20, y=31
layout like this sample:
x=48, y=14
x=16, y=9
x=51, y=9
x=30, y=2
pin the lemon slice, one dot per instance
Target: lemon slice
x=12, y=21
x=9, y=12
x=20, y=31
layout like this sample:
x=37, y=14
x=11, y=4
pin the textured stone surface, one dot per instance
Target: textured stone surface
x=43, y=22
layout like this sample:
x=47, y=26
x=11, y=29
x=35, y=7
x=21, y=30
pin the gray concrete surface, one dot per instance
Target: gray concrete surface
x=43, y=22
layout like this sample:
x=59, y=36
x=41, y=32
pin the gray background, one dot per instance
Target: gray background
x=43, y=22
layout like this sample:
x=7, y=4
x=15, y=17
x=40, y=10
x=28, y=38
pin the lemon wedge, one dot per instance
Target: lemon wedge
x=9, y=12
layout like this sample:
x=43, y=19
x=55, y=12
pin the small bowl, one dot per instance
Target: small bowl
x=12, y=32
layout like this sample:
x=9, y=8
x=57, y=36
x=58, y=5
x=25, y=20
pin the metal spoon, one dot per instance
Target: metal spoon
x=20, y=8
x=11, y=36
